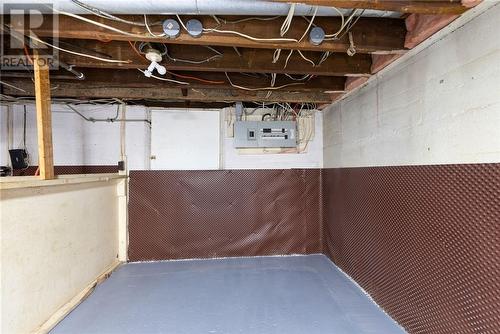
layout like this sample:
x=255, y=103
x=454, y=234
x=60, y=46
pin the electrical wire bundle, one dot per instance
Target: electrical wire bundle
x=302, y=113
x=346, y=25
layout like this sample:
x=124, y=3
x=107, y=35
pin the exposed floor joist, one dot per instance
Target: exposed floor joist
x=248, y=62
x=251, y=60
x=412, y=6
x=135, y=79
x=369, y=34
x=82, y=90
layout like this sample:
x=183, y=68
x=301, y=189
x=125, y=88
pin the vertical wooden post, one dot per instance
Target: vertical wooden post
x=43, y=117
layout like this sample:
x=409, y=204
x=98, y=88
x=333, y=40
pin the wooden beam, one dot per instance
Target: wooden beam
x=182, y=104
x=250, y=61
x=78, y=89
x=43, y=118
x=133, y=79
x=413, y=6
x=369, y=34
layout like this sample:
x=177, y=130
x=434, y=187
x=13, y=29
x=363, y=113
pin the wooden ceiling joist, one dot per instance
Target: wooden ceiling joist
x=251, y=60
x=412, y=6
x=81, y=89
x=369, y=34
x=135, y=79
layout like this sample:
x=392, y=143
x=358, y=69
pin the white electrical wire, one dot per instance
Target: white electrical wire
x=103, y=14
x=12, y=86
x=216, y=56
x=99, y=24
x=310, y=23
x=263, y=88
x=306, y=59
x=341, y=25
x=256, y=39
x=286, y=25
x=256, y=18
x=12, y=32
x=208, y=30
x=165, y=79
x=324, y=57
x=288, y=58
x=149, y=29
x=276, y=55
x=288, y=20
x=305, y=77
x=77, y=53
x=273, y=81
x=344, y=24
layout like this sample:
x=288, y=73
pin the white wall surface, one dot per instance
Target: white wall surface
x=440, y=106
x=55, y=240
x=203, y=146
x=78, y=142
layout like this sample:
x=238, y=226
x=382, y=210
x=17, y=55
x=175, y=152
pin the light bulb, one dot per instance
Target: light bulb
x=161, y=69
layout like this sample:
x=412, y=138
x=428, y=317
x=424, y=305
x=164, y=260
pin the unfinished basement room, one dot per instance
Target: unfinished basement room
x=250, y=167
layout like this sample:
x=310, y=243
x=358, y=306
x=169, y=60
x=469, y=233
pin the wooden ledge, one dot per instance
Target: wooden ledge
x=16, y=182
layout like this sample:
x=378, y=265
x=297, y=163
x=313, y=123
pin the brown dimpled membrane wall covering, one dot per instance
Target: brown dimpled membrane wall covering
x=423, y=241
x=223, y=213
x=68, y=169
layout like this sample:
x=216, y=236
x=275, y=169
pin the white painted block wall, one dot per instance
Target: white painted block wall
x=441, y=106
x=78, y=142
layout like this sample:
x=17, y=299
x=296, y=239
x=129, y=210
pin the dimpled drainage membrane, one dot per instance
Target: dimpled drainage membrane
x=289, y=294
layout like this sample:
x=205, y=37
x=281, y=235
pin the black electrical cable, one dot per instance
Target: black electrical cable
x=264, y=116
x=24, y=128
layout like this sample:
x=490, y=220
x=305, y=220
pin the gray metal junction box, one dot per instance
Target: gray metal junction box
x=265, y=134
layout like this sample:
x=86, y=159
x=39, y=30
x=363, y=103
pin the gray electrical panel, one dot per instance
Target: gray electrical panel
x=265, y=134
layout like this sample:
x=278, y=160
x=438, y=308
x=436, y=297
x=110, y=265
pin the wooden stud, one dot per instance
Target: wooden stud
x=43, y=117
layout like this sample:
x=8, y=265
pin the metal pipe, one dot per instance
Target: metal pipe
x=108, y=119
x=205, y=7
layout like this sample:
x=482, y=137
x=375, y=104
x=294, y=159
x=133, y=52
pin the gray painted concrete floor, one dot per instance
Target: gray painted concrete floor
x=286, y=294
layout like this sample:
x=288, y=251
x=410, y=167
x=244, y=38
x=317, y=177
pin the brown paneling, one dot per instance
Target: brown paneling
x=64, y=170
x=423, y=241
x=222, y=213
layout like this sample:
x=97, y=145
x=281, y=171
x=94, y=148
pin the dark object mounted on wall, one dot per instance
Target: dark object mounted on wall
x=121, y=165
x=19, y=158
x=5, y=171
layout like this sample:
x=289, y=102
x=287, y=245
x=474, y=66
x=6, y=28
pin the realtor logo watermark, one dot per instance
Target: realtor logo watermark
x=19, y=39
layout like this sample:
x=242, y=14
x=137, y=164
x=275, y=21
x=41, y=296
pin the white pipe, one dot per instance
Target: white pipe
x=203, y=7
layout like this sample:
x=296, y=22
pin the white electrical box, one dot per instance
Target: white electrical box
x=265, y=134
